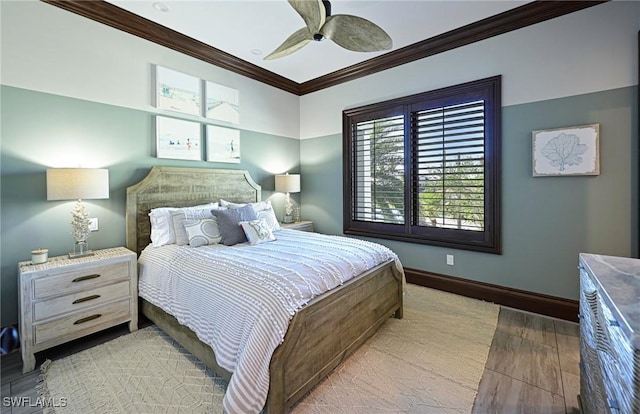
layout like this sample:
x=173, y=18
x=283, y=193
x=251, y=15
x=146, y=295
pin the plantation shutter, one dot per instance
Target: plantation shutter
x=449, y=150
x=426, y=168
x=378, y=163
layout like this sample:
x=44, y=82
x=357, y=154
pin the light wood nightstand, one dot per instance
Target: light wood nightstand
x=304, y=225
x=65, y=299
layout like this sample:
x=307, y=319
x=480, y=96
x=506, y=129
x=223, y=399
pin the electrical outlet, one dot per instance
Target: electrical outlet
x=93, y=224
x=450, y=259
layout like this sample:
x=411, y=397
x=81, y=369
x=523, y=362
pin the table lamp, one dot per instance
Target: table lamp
x=288, y=183
x=78, y=184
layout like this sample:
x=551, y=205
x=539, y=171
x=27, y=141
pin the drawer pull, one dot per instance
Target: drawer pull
x=87, y=319
x=85, y=299
x=83, y=278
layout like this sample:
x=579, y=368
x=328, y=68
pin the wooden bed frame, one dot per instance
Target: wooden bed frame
x=320, y=336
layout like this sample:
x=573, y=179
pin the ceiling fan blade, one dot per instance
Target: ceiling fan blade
x=356, y=34
x=312, y=12
x=293, y=43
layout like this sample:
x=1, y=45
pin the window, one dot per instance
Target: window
x=426, y=168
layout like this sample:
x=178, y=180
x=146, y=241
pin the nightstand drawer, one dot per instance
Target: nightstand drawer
x=78, y=322
x=81, y=300
x=68, y=298
x=70, y=282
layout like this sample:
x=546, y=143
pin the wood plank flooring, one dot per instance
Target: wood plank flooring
x=532, y=367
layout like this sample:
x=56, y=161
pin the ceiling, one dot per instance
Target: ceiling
x=237, y=34
x=250, y=30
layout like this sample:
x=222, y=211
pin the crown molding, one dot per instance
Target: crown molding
x=121, y=19
x=523, y=16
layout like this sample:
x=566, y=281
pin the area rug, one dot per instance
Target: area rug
x=431, y=361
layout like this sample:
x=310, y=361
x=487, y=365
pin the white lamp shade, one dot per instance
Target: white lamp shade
x=288, y=183
x=77, y=183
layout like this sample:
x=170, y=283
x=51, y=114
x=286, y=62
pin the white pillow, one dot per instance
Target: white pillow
x=257, y=231
x=162, y=228
x=263, y=209
x=228, y=204
x=202, y=232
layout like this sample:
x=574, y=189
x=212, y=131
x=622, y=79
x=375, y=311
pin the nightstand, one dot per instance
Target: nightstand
x=303, y=225
x=64, y=299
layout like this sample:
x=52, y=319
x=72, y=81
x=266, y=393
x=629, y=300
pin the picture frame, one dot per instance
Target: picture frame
x=566, y=151
x=222, y=103
x=223, y=144
x=177, y=91
x=178, y=139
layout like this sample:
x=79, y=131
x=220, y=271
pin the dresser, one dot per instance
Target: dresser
x=609, y=334
x=64, y=299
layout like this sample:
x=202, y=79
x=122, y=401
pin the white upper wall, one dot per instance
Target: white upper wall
x=47, y=49
x=587, y=51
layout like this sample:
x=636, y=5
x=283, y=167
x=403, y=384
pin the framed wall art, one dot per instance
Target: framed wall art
x=178, y=139
x=566, y=151
x=223, y=144
x=179, y=92
x=222, y=103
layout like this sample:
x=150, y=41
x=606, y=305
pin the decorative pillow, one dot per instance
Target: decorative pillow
x=180, y=234
x=162, y=226
x=257, y=231
x=263, y=210
x=202, y=232
x=228, y=220
x=269, y=216
x=178, y=218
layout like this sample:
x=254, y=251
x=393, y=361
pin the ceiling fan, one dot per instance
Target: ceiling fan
x=351, y=32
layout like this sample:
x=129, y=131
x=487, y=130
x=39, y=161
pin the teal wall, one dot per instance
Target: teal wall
x=546, y=221
x=41, y=130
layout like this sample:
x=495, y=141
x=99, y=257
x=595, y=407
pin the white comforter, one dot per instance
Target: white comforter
x=239, y=299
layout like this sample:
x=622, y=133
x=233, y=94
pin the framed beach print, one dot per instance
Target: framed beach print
x=178, y=139
x=223, y=144
x=566, y=151
x=176, y=91
x=222, y=103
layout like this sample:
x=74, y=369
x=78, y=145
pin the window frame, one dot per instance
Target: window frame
x=488, y=240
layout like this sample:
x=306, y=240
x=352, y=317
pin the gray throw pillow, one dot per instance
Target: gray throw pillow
x=228, y=223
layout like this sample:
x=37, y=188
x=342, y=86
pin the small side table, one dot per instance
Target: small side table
x=303, y=225
x=64, y=299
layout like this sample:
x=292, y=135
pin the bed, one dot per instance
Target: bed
x=319, y=336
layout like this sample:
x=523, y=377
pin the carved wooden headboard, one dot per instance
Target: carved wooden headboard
x=182, y=187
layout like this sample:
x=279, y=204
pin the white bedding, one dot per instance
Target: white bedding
x=239, y=299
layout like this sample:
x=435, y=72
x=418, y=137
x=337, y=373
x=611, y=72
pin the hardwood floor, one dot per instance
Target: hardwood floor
x=532, y=367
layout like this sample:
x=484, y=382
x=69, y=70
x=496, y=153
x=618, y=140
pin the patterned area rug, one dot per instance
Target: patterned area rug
x=431, y=361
